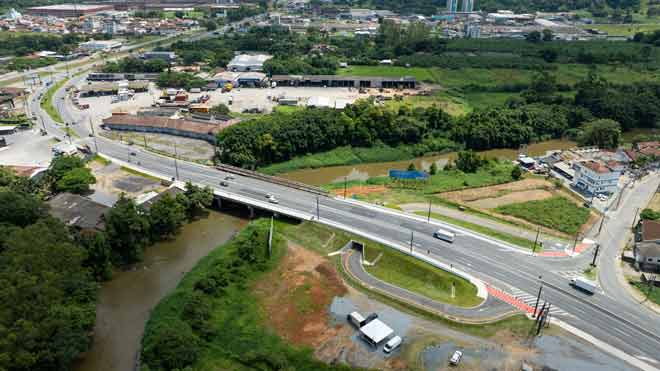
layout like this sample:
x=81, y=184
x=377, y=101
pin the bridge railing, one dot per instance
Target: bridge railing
x=272, y=179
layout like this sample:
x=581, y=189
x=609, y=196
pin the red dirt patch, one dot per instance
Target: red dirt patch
x=296, y=298
x=360, y=190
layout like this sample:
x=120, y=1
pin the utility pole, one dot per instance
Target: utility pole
x=536, y=240
x=538, y=298
x=428, y=218
x=318, y=209
x=593, y=262
x=176, y=164
x=91, y=126
x=145, y=141
x=345, y=184
x=602, y=221
x=577, y=236
x=412, y=235
x=635, y=218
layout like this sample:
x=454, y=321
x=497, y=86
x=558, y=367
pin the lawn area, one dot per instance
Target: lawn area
x=412, y=274
x=47, y=101
x=514, y=240
x=556, y=212
x=624, y=29
x=651, y=293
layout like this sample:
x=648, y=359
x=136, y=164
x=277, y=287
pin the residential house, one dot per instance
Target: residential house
x=647, y=246
x=78, y=211
x=593, y=176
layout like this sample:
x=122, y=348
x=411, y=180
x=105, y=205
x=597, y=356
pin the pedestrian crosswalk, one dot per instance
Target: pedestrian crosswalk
x=530, y=300
x=569, y=274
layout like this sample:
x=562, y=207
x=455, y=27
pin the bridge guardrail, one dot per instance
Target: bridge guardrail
x=272, y=179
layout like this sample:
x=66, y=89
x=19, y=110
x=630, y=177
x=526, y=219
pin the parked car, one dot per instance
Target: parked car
x=392, y=344
x=456, y=358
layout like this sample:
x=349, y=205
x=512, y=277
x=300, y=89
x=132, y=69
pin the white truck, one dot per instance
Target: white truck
x=441, y=234
x=584, y=285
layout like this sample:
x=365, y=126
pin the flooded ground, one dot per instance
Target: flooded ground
x=428, y=345
x=362, y=172
x=126, y=301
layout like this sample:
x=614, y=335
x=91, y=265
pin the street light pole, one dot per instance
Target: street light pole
x=536, y=240
x=577, y=236
x=428, y=218
x=635, y=218
x=318, y=209
x=593, y=262
x=345, y=181
x=412, y=235
x=176, y=165
x=538, y=297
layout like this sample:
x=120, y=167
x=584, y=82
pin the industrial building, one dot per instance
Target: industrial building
x=248, y=62
x=345, y=81
x=101, y=76
x=111, y=88
x=68, y=10
x=156, y=124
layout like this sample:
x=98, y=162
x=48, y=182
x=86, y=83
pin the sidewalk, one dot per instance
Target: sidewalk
x=550, y=243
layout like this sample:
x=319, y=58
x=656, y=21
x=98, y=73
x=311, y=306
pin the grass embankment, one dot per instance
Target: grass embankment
x=626, y=30
x=651, y=293
x=139, y=173
x=325, y=240
x=412, y=274
x=555, y=212
x=514, y=240
x=393, y=267
x=47, y=101
x=212, y=321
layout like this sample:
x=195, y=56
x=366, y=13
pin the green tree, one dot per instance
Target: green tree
x=76, y=181
x=547, y=35
x=220, y=109
x=411, y=167
x=433, y=169
x=20, y=209
x=195, y=199
x=50, y=312
x=649, y=214
x=603, y=133
x=534, y=37
x=99, y=254
x=127, y=228
x=166, y=217
x=170, y=346
x=468, y=161
x=62, y=165
x=516, y=173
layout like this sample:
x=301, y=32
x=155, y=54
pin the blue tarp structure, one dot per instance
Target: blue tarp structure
x=405, y=174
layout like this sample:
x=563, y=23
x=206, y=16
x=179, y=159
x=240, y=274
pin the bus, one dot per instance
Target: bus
x=444, y=235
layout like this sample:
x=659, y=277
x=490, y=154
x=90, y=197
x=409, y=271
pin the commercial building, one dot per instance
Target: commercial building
x=345, y=81
x=647, y=246
x=157, y=124
x=100, y=76
x=100, y=45
x=68, y=10
x=248, y=62
x=595, y=177
x=168, y=57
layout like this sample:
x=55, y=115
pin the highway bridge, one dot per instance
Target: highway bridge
x=613, y=321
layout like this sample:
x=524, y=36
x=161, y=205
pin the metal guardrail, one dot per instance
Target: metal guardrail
x=272, y=179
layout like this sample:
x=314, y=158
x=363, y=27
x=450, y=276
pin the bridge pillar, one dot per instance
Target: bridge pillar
x=219, y=202
x=251, y=209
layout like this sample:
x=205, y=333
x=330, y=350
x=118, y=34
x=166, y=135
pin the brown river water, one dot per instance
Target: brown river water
x=126, y=301
x=364, y=171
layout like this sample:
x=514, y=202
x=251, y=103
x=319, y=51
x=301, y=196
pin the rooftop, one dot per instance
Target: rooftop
x=72, y=7
x=250, y=59
x=78, y=211
x=596, y=166
x=376, y=331
x=164, y=122
x=650, y=230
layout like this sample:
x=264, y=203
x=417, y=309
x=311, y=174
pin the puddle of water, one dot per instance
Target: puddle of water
x=125, y=301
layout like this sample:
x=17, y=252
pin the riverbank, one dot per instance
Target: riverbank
x=126, y=301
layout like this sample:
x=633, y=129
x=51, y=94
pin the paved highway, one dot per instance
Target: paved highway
x=605, y=316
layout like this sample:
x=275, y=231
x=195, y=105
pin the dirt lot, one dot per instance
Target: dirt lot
x=297, y=296
x=496, y=191
x=511, y=198
x=360, y=190
x=112, y=180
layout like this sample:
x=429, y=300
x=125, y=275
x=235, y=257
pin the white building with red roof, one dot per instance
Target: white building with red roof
x=593, y=176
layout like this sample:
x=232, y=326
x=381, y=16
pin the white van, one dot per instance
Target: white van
x=392, y=344
x=444, y=235
x=356, y=319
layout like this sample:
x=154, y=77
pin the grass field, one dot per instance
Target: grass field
x=47, y=101
x=557, y=213
x=412, y=274
x=514, y=240
x=625, y=29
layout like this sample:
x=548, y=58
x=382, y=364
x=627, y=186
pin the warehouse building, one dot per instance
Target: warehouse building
x=68, y=10
x=336, y=81
x=163, y=125
x=111, y=88
x=101, y=76
x=248, y=62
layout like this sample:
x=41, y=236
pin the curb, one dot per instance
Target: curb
x=421, y=306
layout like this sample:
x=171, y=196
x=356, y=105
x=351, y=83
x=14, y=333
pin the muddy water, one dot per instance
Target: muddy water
x=364, y=171
x=125, y=302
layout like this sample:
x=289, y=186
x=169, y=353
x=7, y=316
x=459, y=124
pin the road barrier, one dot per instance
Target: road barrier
x=272, y=179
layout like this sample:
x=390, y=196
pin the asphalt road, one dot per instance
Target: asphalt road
x=607, y=316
